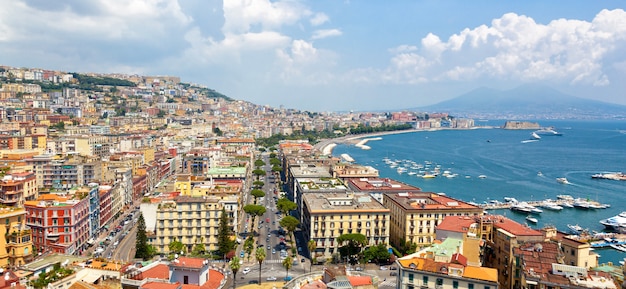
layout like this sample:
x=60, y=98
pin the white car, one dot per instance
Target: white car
x=246, y=270
x=271, y=278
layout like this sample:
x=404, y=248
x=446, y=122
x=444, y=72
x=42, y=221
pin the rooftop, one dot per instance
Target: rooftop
x=318, y=203
x=428, y=201
x=379, y=185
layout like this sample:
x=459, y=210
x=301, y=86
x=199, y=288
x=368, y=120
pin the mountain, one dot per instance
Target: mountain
x=529, y=101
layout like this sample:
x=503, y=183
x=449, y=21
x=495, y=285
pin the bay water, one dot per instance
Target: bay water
x=511, y=165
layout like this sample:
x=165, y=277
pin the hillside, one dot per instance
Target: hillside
x=529, y=101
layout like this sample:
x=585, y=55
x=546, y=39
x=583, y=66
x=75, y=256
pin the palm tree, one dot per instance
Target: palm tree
x=234, y=266
x=311, y=245
x=288, y=263
x=260, y=256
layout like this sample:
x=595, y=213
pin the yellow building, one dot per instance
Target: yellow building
x=425, y=272
x=414, y=216
x=189, y=220
x=16, y=248
x=326, y=216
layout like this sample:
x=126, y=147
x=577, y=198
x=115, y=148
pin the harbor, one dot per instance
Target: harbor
x=563, y=201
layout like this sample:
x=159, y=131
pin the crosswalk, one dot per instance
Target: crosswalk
x=388, y=283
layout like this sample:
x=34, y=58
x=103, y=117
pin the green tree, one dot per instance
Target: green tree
x=141, y=243
x=259, y=163
x=234, y=266
x=377, y=254
x=284, y=205
x=290, y=224
x=198, y=250
x=287, y=264
x=275, y=162
x=161, y=113
x=277, y=169
x=272, y=156
x=312, y=246
x=218, y=131
x=176, y=247
x=352, y=244
x=248, y=246
x=260, y=257
x=254, y=211
x=225, y=242
x=258, y=184
x=257, y=194
x=258, y=173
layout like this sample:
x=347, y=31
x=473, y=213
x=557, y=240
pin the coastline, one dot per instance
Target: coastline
x=326, y=146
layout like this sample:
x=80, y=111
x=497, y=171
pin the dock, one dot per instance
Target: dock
x=508, y=205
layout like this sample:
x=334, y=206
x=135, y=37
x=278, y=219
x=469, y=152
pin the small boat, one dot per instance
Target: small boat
x=618, y=247
x=482, y=177
x=428, y=176
x=548, y=131
x=534, y=135
x=575, y=229
x=565, y=197
x=510, y=200
x=566, y=205
x=614, y=223
x=562, y=181
x=531, y=219
x=539, y=174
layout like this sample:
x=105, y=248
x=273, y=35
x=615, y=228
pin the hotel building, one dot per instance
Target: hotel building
x=326, y=216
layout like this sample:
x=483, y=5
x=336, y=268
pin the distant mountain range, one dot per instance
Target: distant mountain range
x=529, y=101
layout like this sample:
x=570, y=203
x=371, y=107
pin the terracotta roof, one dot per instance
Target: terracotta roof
x=317, y=284
x=160, y=271
x=515, y=228
x=215, y=279
x=359, y=280
x=459, y=259
x=459, y=224
x=481, y=273
x=188, y=262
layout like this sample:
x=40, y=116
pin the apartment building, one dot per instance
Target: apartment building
x=414, y=215
x=16, y=246
x=346, y=170
x=326, y=216
x=199, y=160
x=67, y=172
x=377, y=187
x=426, y=272
x=305, y=186
x=59, y=224
x=189, y=220
x=228, y=190
x=17, y=188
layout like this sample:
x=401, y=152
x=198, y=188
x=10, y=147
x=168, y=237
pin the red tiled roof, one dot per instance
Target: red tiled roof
x=515, y=228
x=458, y=258
x=359, y=280
x=215, y=279
x=160, y=271
x=317, y=284
x=188, y=262
x=458, y=224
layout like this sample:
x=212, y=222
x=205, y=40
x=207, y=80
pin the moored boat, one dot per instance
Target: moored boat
x=532, y=219
x=614, y=223
x=618, y=247
x=575, y=229
x=551, y=206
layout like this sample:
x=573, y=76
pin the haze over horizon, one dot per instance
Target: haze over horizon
x=330, y=55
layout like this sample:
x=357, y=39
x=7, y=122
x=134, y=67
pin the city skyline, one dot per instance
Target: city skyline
x=330, y=55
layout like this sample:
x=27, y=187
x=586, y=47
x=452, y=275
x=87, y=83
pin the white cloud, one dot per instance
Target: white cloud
x=514, y=47
x=241, y=15
x=324, y=33
x=319, y=19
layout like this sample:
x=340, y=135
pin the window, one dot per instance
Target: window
x=185, y=279
x=470, y=286
x=410, y=278
x=455, y=284
x=440, y=282
x=425, y=280
x=487, y=287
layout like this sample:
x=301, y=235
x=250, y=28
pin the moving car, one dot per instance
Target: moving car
x=271, y=278
x=246, y=270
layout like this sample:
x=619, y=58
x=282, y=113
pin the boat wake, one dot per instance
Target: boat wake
x=530, y=140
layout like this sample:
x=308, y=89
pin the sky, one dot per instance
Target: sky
x=330, y=55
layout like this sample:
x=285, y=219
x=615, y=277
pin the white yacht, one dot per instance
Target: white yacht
x=551, y=206
x=562, y=181
x=614, y=223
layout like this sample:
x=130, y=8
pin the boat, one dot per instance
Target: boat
x=539, y=174
x=575, y=229
x=562, y=181
x=534, y=135
x=531, y=219
x=582, y=204
x=428, y=176
x=482, y=177
x=551, y=206
x=510, y=200
x=565, y=197
x=524, y=207
x=548, y=131
x=566, y=205
x=618, y=247
x=614, y=223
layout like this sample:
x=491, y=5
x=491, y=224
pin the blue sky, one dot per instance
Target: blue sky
x=330, y=55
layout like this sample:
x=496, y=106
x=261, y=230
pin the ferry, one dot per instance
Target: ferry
x=534, y=135
x=548, y=131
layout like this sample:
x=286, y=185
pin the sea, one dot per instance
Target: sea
x=512, y=165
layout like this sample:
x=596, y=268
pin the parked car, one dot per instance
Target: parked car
x=246, y=270
x=271, y=278
x=393, y=273
x=288, y=278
